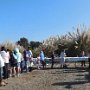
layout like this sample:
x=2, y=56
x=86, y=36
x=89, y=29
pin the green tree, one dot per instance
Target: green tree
x=23, y=42
x=35, y=44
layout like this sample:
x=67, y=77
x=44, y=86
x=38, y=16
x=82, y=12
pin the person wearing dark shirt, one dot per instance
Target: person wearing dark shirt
x=52, y=59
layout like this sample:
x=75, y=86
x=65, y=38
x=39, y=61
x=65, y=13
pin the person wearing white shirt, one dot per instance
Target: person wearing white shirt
x=29, y=56
x=5, y=56
x=38, y=62
x=62, y=58
x=83, y=55
x=1, y=71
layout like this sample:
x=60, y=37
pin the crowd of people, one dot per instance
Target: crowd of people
x=13, y=63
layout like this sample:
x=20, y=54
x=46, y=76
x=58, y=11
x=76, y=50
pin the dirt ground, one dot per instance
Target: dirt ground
x=76, y=78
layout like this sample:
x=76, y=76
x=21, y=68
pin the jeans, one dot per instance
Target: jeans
x=1, y=73
x=6, y=71
x=22, y=65
x=89, y=61
x=26, y=65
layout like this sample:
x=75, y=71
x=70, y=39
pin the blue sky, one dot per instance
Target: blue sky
x=39, y=19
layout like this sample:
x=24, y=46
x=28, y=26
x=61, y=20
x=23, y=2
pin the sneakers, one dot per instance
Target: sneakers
x=2, y=84
x=5, y=82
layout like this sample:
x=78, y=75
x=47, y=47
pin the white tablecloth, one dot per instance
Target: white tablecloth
x=76, y=59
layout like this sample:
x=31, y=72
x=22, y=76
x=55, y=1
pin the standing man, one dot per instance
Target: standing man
x=89, y=58
x=83, y=55
x=42, y=59
x=5, y=55
x=25, y=60
x=62, y=58
x=1, y=71
x=29, y=56
x=52, y=59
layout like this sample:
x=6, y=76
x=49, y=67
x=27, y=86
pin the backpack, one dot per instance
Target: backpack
x=12, y=59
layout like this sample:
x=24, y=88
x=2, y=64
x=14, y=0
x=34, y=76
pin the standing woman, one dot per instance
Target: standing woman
x=18, y=57
x=13, y=63
x=38, y=62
